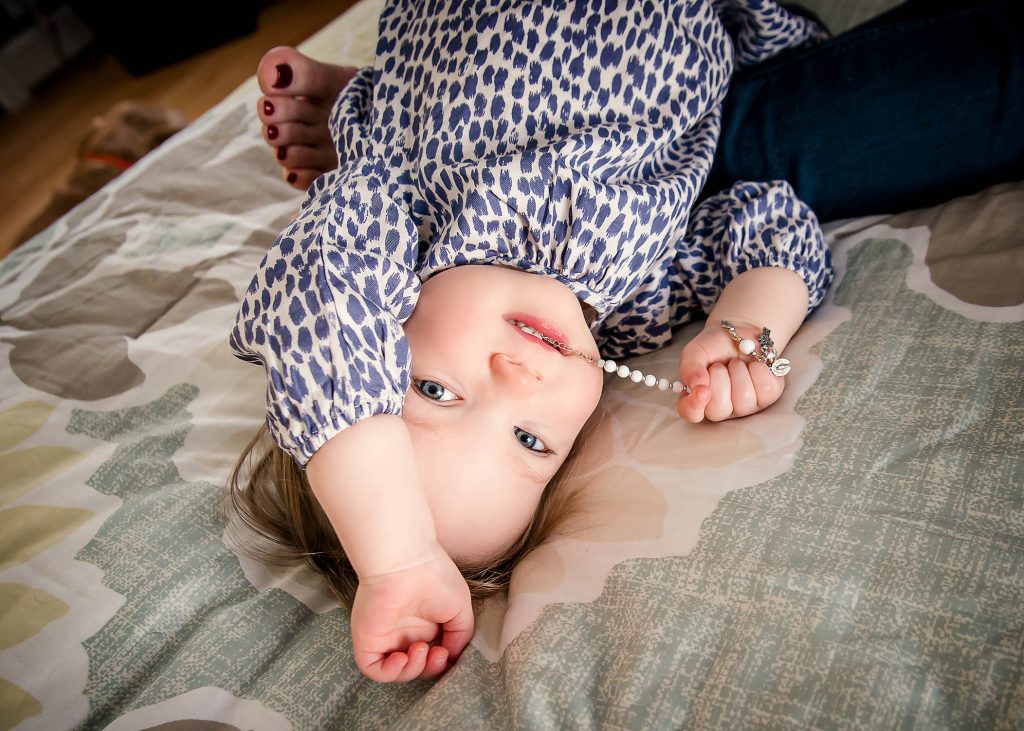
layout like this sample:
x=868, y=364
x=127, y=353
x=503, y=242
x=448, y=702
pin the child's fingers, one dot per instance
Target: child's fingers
x=436, y=664
x=693, y=372
x=720, y=405
x=744, y=395
x=693, y=367
x=417, y=654
x=767, y=385
x=387, y=669
x=690, y=406
x=458, y=631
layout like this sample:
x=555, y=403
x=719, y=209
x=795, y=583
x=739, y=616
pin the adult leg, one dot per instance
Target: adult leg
x=920, y=105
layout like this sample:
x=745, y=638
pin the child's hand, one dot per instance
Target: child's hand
x=412, y=623
x=725, y=383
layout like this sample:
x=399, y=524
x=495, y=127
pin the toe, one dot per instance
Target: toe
x=300, y=156
x=277, y=109
x=301, y=178
x=294, y=133
x=285, y=71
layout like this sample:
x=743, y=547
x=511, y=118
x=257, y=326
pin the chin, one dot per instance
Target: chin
x=471, y=553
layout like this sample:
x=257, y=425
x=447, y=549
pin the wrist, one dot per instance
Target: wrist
x=762, y=349
x=769, y=297
x=428, y=555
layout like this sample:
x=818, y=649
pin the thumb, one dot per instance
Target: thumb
x=690, y=406
x=458, y=631
x=693, y=366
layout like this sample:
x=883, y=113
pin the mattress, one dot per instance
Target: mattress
x=852, y=557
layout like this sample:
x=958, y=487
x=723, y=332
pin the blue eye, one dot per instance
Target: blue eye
x=434, y=390
x=531, y=441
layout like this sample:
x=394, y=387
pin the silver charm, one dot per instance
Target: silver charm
x=780, y=366
x=768, y=356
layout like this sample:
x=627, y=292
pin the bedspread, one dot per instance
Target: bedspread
x=852, y=557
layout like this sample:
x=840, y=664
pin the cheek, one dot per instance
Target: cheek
x=446, y=326
x=585, y=395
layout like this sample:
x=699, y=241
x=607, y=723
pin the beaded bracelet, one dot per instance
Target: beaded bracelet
x=768, y=356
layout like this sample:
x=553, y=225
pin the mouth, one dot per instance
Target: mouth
x=539, y=331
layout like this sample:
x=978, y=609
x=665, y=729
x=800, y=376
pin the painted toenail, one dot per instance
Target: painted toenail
x=268, y=108
x=282, y=152
x=292, y=177
x=271, y=132
x=284, y=76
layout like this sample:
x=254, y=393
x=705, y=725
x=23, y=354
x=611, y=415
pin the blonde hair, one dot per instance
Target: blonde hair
x=270, y=495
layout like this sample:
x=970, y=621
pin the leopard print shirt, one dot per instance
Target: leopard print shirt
x=568, y=138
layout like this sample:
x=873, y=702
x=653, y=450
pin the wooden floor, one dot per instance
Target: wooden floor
x=38, y=144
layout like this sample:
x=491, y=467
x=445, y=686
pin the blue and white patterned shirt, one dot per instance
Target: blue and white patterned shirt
x=547, y=136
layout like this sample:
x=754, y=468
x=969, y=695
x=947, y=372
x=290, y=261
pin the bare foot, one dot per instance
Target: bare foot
x=298, y=95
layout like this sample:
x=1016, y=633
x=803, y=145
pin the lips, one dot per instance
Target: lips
x=542, y=326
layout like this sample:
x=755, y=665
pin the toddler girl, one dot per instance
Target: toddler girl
x=511, y=194
x=535, y=165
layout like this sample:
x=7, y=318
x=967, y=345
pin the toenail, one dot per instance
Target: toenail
x=284, y=76
x=292, y=177
x=281, y=152
x=271, y=132
x=268, y=108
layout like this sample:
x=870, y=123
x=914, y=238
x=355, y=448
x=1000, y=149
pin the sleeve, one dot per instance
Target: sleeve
x=350, y=117
x=752, y=225
x=349, y=123
x=324, y=315
x=761, y=29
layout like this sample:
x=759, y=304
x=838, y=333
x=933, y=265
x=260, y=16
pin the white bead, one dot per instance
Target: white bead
x=677, y=387
x=600, y=362
x=663, y=384
x=623, y=371
x=609, y=366
x=636, y=376
x=747, y=346
x=650, y=380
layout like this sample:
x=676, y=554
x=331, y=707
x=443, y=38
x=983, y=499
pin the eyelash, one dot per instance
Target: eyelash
x=418, y=383
x=516, y=431
x=519, y=433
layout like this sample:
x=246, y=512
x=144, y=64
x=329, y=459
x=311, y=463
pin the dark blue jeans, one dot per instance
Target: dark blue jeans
x=920, y=105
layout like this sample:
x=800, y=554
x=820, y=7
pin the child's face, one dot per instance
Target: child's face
x=484, y=394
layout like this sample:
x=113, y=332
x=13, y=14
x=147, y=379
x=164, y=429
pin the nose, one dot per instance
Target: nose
x=514, y=375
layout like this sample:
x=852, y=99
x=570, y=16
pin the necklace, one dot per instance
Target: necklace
x=767, y=355
x=609, y=366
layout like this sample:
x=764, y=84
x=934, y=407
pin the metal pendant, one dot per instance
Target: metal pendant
x=780, y=366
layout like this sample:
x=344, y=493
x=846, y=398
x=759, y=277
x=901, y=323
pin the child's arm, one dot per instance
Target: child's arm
x=754, y=255
x=324, y=316
x=409, y=590
x=725, y=383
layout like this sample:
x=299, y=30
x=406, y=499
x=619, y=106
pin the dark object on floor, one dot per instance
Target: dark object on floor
x=114, y=143
x=145, y=37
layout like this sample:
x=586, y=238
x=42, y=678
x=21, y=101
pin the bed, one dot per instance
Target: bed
x=853, y=557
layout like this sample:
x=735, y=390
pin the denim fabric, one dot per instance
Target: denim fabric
x=920, y=105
